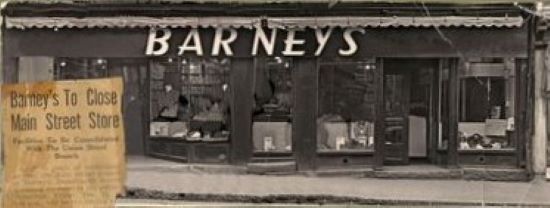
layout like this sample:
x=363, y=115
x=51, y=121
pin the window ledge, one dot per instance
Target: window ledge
x=183, y=140
x=272, y=153
x=487, y=151
x=345, y=152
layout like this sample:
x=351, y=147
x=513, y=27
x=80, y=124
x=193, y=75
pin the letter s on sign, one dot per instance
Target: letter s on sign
x=162, y=40
x=352, y=45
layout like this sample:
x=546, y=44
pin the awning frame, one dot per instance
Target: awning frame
x=271, y=22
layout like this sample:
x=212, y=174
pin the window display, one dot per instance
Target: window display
x=486, y=104
x=273, y=104
x=190, y=99
x=347, y=101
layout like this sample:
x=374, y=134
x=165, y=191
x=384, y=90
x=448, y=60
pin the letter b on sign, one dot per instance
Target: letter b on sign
x=160, y=39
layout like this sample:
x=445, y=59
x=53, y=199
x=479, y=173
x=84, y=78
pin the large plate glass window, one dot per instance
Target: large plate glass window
x=346, y=106
x=190, y=99
x=273, y=105
x=487, y=93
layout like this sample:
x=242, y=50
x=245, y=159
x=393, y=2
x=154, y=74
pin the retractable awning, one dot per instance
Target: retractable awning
x=384, y=22
x=250, y=22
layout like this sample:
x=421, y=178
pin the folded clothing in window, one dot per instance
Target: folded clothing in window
x=178, y=129
x=206, y=127
x=171, y=129
x=214, y=113
x=159, y=128
x=208, y=116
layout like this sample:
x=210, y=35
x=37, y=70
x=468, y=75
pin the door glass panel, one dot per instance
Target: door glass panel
x=395, y=106
x=397, y=79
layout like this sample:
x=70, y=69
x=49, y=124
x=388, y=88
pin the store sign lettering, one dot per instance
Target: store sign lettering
x=158, y=42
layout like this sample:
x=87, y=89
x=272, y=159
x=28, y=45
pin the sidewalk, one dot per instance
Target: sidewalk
x=168, y=182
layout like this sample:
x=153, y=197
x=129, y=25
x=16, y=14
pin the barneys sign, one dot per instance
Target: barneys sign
x=158, y=42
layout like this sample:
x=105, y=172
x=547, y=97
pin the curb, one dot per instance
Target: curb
x=140, y=193
x=280, y=169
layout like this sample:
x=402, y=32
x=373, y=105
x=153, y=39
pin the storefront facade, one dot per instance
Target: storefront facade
x=354, y=85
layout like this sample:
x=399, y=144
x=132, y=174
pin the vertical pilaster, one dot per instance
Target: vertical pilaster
x=241, y=109
x=304, y=125
x=379, y=130
x=453, y=90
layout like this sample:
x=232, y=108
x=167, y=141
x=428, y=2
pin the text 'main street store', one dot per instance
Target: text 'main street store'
x=350, y=85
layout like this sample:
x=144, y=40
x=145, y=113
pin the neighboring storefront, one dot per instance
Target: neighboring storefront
x=350, y=85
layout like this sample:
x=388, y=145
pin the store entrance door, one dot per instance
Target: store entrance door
x=410, y=111
x=133, y=73
x=396, y=110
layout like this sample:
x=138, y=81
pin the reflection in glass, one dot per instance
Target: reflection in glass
x=347, y=101
x=190, y=99
x=80, y=68
x=486, y=104
x=273, y=104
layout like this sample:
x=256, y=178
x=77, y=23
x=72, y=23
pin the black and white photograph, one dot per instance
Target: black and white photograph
x=275, y=103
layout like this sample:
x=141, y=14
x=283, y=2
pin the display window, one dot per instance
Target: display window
x=190, y=98
x=486, y=104
x=273, y=105
x=346, y=106
x=80, y=68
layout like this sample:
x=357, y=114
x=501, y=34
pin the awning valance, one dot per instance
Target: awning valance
x=129, y=22
x=250, y=22
x=385, y=22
